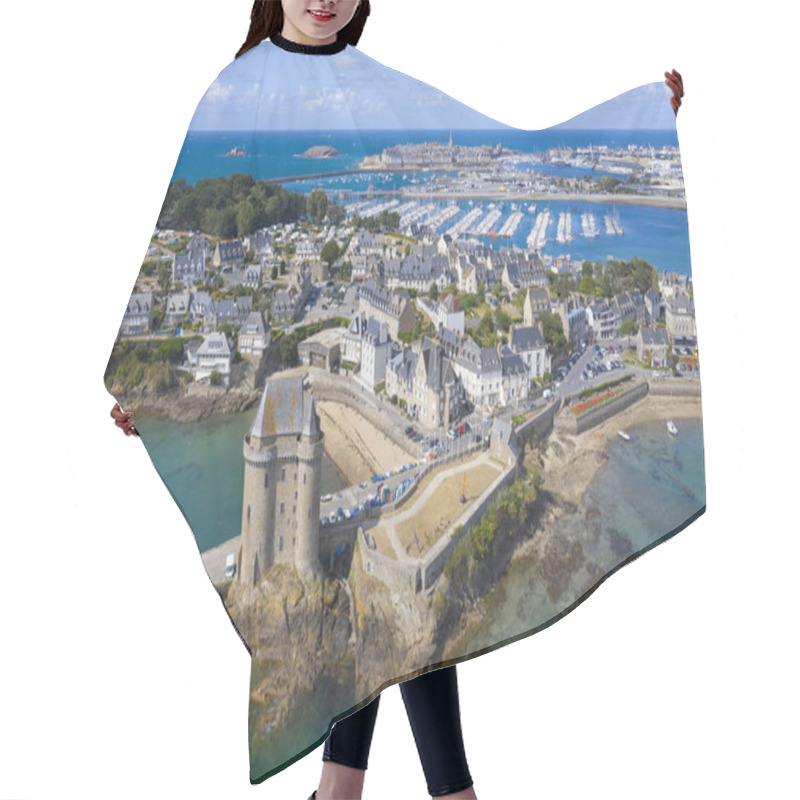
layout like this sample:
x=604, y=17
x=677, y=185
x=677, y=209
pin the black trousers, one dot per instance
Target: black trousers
x=431, y=702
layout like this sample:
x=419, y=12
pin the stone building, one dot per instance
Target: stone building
x=283, y=465
x=393, y=308
x=679, y=313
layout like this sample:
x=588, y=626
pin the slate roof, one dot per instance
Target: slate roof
x=285, y=408
x=526, y=338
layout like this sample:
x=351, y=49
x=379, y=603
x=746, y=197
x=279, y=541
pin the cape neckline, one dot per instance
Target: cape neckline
x=308, y=49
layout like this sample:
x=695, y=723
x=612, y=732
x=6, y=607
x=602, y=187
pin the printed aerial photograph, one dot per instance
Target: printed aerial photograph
x=418, y=381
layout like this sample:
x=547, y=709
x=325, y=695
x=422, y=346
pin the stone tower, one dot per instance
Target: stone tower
x=282, y=469
x=527, y=310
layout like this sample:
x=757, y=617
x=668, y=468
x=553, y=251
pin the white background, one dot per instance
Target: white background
x=121, y=674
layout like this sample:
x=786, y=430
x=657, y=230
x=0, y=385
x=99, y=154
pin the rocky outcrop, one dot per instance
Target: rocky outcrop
x=181, y=405
x=320, y=151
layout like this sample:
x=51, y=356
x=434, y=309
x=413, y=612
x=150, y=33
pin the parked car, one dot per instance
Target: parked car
x=230, y=566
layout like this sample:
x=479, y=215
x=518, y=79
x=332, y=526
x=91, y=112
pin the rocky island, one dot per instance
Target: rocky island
x=320, y=151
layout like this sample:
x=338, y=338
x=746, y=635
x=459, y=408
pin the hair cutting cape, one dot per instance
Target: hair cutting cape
x=418, y=381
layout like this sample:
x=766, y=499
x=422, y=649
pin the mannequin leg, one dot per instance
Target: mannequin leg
x=345, y=755
x=432, y=705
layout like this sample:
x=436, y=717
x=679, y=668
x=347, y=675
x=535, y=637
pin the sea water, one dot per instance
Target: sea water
x=648, y=489
x=659, y=235
x=203, y=467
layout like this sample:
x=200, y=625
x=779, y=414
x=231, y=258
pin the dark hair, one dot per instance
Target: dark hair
x=266, y=18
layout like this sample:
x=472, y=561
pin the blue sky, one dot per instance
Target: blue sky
x=269, y=88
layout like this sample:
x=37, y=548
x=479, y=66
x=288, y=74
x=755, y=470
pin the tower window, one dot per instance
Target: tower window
x=248, y=514
x=280, y=543
x=266, y=479
x=281, y=508
x=305, y=475
x=283, y=473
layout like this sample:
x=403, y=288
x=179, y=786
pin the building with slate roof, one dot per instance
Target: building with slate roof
x=572, y=313
x=214, y=354
x=603, y=320
x=652, y=344
x=283, y=466
x=423, y=377
x=199, y=243
x=138, y=316
x=679, y=313
x=228, y=255
x=189, y=268
x=176, y=308
x=523, y=271
x=254, y=336
x=393, y=308
x=231, y=310
x=481, y=373
x=376, y=348
x=516, y=383
x=529, y=344
x=537, y=301
x=654, y=305
x=286, y=303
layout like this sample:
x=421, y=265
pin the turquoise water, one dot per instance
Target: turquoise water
x=202, y=465
x=649, y=487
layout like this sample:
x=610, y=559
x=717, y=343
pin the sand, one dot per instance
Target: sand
x=357, y=447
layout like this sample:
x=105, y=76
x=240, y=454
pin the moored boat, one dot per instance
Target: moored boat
x=624, y=435
x=671, y=427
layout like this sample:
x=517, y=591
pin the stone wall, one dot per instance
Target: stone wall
x=542, y=422
x=573, y=423
x=684, y=387
x=379, y=412
x=433, y=562
x=400, y=576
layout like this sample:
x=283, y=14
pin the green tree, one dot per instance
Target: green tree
x=587, y=285
x=164, y=276
x=330, y=251
x=336, y=214
x=317, y=205
x=433, y=292
x=561, y=285
x=553, y=329
x=503, y=319
x=245, y=217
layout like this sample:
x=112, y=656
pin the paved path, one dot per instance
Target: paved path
x=389, y=522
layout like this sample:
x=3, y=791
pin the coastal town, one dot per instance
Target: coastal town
x=402, y=309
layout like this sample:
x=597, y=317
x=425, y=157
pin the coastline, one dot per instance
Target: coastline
x=569, y=464
x=571, y=461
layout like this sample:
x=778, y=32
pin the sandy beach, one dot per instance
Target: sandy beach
x=572, y=461
x=354, y=444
